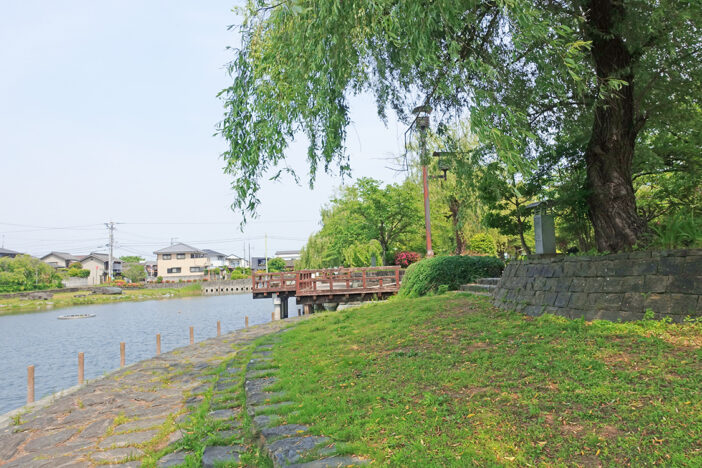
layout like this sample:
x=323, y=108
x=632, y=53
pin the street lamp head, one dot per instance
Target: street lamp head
x=425, y=109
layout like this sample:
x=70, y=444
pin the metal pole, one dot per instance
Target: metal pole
x=427, y=216
x=111, y=228
x=266, y=248
x=423, y=124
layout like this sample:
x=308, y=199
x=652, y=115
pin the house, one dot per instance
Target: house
x=8, y=253
x=99, y=264
x=234, y=261
x=181, y=262
x=59, y=259
x=217, y=260
x=258, y=263
x=151, y=268
x=290, y=257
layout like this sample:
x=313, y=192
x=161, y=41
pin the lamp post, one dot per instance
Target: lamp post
x=422, y=113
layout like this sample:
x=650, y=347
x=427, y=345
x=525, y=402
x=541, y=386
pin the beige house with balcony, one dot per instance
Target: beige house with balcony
x=181, y=262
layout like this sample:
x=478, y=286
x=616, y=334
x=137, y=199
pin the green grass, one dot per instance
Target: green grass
x=451, y=381
x=67, y=299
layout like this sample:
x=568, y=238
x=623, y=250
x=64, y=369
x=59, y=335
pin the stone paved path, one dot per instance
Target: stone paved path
x=146, y=407
x=288, y=445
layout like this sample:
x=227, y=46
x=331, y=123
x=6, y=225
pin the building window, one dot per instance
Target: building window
x=166, y=256
x=174, y=270
x=196, y=269
x=197, y=255
x=180, y=256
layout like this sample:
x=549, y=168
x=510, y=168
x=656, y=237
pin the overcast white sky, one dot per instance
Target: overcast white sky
x=107, y=111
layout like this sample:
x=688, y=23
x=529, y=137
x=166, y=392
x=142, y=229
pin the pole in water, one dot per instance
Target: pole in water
x=121, y=354
x=30, y=384
x=219, y=328
x=192, y=335
x=158, y=344
x=246, y=321
x=81, y=368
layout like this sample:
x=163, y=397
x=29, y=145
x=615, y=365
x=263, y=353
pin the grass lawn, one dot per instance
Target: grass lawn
x=69, y=299
x=451, y=381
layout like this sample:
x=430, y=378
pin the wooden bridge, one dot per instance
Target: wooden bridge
x=330, y=285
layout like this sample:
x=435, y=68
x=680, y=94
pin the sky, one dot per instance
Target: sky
x=107, y=113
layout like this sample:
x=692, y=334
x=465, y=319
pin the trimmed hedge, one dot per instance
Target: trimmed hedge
x=430, y=274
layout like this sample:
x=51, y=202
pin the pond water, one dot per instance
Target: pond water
x=52, y=345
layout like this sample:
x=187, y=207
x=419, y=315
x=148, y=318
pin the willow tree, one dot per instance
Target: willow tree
x=521, y=69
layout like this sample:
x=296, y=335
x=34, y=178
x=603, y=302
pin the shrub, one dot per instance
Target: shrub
x=428, y=275
x=405, y=259
x=276, y=264
x=78, y=272
x=483, y=244
x=159, y=279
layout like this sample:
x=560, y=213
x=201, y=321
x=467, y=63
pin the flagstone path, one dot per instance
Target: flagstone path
x=145, y=413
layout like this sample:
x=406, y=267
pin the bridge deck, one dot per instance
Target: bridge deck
x=347, y=284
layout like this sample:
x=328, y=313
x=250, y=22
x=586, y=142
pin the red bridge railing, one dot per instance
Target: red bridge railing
x=337, y=281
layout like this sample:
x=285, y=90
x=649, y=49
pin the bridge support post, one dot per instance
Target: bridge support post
x=284, y=307
x=277, y=307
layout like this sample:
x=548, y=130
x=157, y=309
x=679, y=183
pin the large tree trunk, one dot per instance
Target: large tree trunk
x=609, y=154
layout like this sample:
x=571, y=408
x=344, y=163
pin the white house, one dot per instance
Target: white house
x=234, y=261
x=217, y=260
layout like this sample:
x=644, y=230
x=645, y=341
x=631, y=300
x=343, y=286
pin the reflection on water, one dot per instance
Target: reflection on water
x=52, y=345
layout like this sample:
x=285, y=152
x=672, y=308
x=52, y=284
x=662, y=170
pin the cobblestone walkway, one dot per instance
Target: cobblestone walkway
x=151, y=412
x=287, y=445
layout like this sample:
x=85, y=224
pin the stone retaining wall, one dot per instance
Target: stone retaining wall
x=611, y=287
x=226, y=287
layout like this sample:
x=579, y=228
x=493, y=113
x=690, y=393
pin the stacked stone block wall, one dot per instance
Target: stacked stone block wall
x=611, y=287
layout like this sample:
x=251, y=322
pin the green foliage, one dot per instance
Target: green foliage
x=359, y=254
x=240, y=273
x=507, y=197
x=134, y=272
x=483, y=243
x=25, y=273
x=75, y=266
x=426, y=276
x=680, y=230
x=362, y=213
x=159, y=279
x=78, y=272
x=532, y=75
x=276, y=264
x=131, y=259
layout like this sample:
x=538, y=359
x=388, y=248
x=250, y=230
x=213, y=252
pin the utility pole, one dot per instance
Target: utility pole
x=111, y=228
x=266, y=247
x=422, y=113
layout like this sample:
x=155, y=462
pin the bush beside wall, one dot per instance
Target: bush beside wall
x=429, y=275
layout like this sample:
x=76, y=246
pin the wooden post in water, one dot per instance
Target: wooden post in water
x=30, y=384
x=192, y=335
x=81, y=368
x=246, y=321
x=158, y=344
x=219, y=328
x=121, y=354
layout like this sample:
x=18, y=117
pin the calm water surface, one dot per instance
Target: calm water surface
x=52, y=345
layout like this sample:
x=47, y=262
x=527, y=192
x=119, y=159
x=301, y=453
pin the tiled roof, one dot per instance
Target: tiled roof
x=178, y=248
